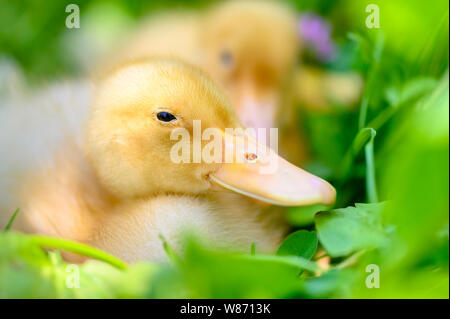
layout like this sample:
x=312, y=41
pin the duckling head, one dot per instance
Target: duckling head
x=250, y=48
x=141, y=114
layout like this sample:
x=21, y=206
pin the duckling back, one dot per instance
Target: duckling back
x=32, y=128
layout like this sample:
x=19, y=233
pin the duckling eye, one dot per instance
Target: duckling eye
x=226, y=58
x=166, y=117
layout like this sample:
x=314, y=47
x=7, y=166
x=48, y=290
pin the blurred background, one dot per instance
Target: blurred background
x=373, y=105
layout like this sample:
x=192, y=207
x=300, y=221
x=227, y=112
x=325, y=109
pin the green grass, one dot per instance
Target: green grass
x=388, y=159
x=11, y=221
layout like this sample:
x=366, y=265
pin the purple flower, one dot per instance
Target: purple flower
x=316, y=33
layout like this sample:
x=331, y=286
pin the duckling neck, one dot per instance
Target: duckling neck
x=227, y=221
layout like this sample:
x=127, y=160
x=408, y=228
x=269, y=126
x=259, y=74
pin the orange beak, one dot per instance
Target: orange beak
x=257, y=171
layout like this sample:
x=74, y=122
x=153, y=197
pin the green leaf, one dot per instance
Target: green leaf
x=331, y=284
x=293, y=261
x=101, y=280
x=304, y=215
x=212, y=274
x=343, y=231
x=25, y=269
x=302, y=243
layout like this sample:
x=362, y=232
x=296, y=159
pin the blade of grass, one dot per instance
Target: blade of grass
x=371, y=77
x=365, y=134
x=410, y=93
x=351, y=260
x=363, y=113
x=371, y=187
x=169, y=250
x=364, y=139
x=360, y=140
x=11, y=221
x=78, y=248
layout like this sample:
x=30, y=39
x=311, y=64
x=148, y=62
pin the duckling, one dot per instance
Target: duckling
x=110, y=181
x=248, y=47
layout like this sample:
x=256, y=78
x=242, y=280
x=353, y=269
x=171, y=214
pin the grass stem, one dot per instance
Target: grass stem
x=78, y=248
x=371, y=187
x=11, y=221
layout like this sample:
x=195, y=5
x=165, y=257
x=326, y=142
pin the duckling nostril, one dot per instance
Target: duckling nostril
x=251, y=157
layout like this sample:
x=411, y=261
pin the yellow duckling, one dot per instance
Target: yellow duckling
x=118, y=188
x=248, y=47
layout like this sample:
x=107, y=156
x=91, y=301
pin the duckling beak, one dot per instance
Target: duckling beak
x=257, y=171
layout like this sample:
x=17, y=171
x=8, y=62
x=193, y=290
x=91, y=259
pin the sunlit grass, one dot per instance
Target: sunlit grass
x=388, y=160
